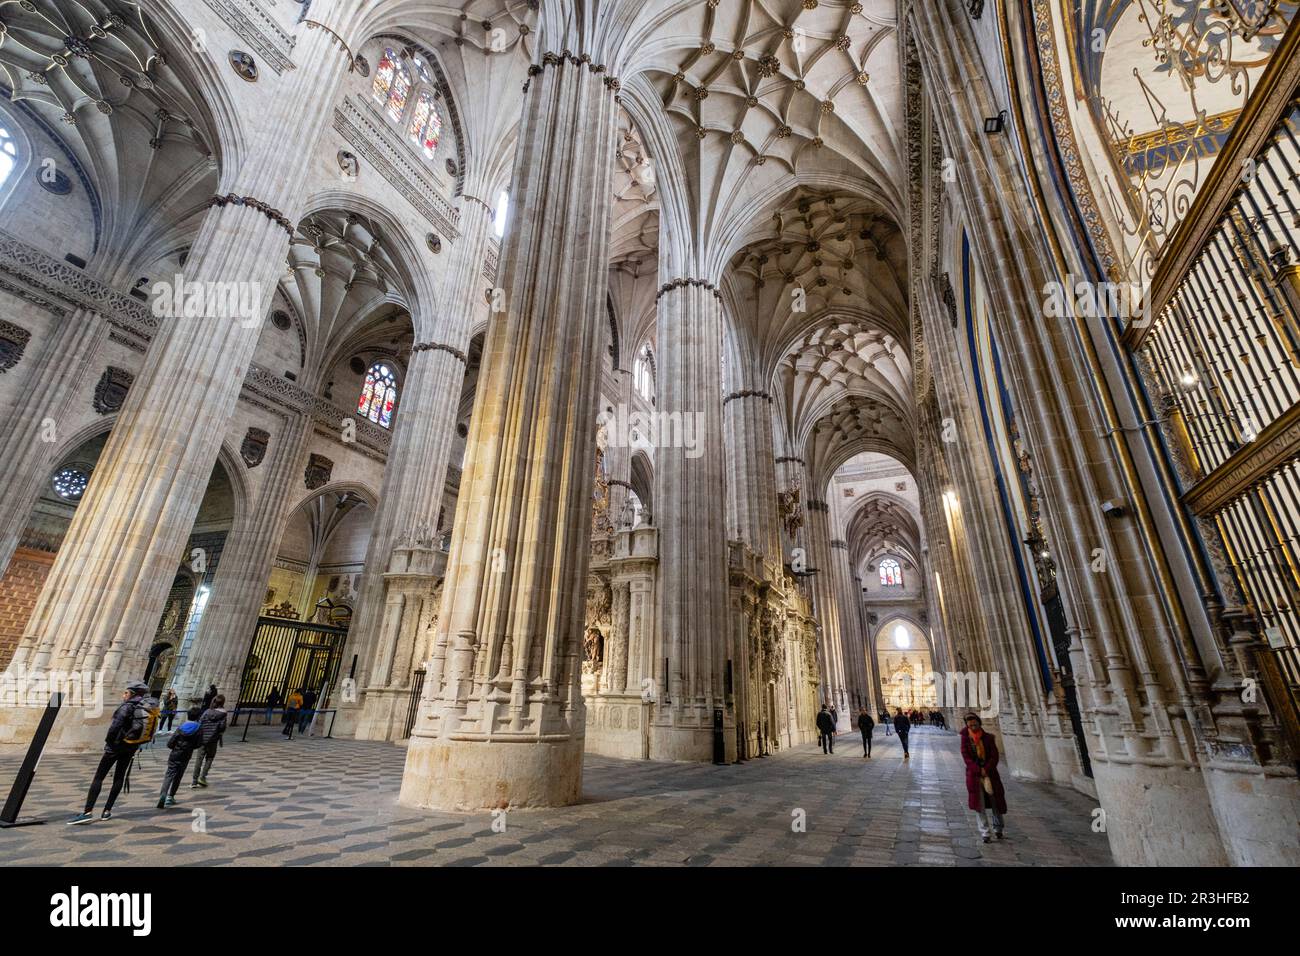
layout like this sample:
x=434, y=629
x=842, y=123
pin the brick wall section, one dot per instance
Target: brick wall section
x=19, y=589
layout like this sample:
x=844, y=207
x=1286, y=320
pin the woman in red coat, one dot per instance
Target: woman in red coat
x=983, y=785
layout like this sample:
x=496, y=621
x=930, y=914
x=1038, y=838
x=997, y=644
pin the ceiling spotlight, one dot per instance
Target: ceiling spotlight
x=995, y=124
x=1188, y=379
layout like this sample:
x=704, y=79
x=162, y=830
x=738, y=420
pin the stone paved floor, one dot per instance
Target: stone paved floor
x=334, y=802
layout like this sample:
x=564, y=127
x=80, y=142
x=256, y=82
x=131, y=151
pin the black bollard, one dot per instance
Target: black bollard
x=27, y=772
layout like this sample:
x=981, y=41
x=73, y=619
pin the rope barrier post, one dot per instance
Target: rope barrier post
x=27, y=772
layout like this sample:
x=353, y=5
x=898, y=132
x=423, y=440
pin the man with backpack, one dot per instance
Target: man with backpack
x=212, y=725
x=133, y=724
x=182, y=744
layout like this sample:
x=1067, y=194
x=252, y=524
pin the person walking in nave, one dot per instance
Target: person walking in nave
x=866, y=725
x=212, y=727
x=292, y=704
x=903, y=726
x=130, y=727
x=983, y=784
x=170, y=703
x=187, y=739
x=826, y=731
x=272, y=702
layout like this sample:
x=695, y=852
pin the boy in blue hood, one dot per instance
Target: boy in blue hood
x=184, y=741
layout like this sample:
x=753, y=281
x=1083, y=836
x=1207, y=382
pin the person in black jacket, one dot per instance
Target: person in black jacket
x=207, y=697
x=184, y=741
x=308, y=710
x=826, y=731
x=866, y=725
x=212, y=725
x=117, y=754
x=272, y=701
x=904, y=727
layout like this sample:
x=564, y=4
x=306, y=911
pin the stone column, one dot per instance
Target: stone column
x=689, y=512
x=827, y=610
x=108, y=586
x=852, y=642
x=751, y=465
x=25, y=459
x=615, y=676
x=501, y=724
x=416, y=472
x=230, y=619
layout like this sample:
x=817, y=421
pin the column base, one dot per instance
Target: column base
x=1158, y=816
x=76, y=730
x=614, y=726
x=1259, y=814
x=494, y=774
x=383, y=713
x=693, y=744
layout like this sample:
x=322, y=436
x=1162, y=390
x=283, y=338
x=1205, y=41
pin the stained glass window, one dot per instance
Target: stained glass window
x=70, y=483
x=426, y=124
x=891, y=575
x=378, y=395
x=383, y=84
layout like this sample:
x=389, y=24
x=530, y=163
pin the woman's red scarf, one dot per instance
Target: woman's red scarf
x=977, y=741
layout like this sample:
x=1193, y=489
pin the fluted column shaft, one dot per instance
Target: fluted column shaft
x=752, y=502
x=25, y=459
x=416, y=471
x=106, y=589
x=230, y=618
x=502, y=719
x=689, y=513
x=828, y=607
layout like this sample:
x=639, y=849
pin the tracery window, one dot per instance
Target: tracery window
x=405, y=87
x=70, y=483
x=643, y=373
x=426, y=124
x=378, y=395
x=891, y=575
x=392, y=85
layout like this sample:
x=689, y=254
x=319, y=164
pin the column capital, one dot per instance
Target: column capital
x=440, y=347
x=682, y=283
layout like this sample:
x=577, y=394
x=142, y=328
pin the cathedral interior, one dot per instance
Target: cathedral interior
x=571, y=390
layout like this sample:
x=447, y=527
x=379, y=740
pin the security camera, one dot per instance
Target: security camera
x=1113, y=509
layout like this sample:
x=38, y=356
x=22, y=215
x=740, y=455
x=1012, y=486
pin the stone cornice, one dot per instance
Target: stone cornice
x=258, y=29
x=1276, y=445
x=379, y=144
x=63, y=285
x=264, y=383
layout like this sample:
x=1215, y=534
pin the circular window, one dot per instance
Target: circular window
x=280, y=320
x=70, y=483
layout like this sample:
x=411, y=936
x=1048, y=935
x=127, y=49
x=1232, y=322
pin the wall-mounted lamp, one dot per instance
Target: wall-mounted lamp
x=995, y=124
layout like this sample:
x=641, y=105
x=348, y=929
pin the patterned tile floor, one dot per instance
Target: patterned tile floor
x=314, y=801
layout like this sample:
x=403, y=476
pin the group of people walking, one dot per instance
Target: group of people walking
x=134, y=724
x=299, y=708
x=979, y=750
